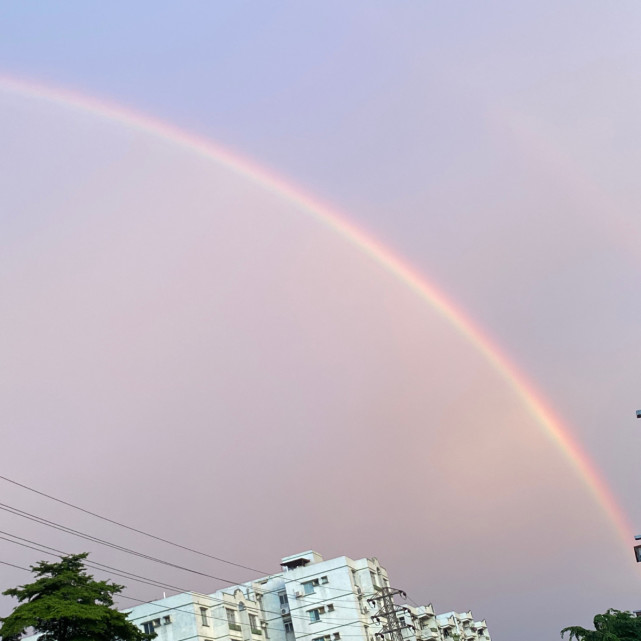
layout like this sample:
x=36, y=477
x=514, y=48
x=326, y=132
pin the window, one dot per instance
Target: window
x=288, y=625
x=148, y=627
x=314, y=615
x=308, y=586
x=373, y=577
x=253, y=622
x=329, y=637
x=324, y=580
x=166, y=620
x=330, y=607
x=203, y=616
x=231, y=620
x=282, y=597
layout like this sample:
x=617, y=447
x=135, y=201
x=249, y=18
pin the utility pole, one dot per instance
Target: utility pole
x=637, y=548
x=387, y=614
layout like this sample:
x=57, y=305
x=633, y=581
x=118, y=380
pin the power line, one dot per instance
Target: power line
x=166, y=608
x=131, y=598
x=125, y=574
x=135, y=577
x=153, y=536
x=89, y=537
x=162, y=608
x=58, y=526
x=129, y=527
x=95, y=539
x=121, y=573
x=113, y=572
x=13, y=565
x=179, y=607
x=92, y=564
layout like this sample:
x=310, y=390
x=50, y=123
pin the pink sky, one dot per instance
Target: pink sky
x=189, y=353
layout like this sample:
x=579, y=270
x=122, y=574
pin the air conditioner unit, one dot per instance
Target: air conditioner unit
x=298, y=595
x=284, y=611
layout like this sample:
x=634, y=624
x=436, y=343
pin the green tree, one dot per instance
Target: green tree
x=64, y=603
x=614, y=625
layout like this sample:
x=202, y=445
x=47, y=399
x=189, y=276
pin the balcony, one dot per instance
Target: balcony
x=424, y=611
x=426, y=621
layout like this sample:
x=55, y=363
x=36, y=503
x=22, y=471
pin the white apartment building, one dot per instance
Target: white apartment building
x=310, y=600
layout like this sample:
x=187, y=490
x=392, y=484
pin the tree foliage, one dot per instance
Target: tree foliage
x=614, y=625
x=65, y=603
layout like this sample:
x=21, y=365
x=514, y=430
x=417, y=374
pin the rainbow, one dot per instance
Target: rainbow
x=559, y=433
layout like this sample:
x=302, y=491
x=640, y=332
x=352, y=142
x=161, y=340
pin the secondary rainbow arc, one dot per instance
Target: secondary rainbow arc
x=384, y=256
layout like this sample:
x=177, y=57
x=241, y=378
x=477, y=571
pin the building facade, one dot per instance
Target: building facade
x=309, y=600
